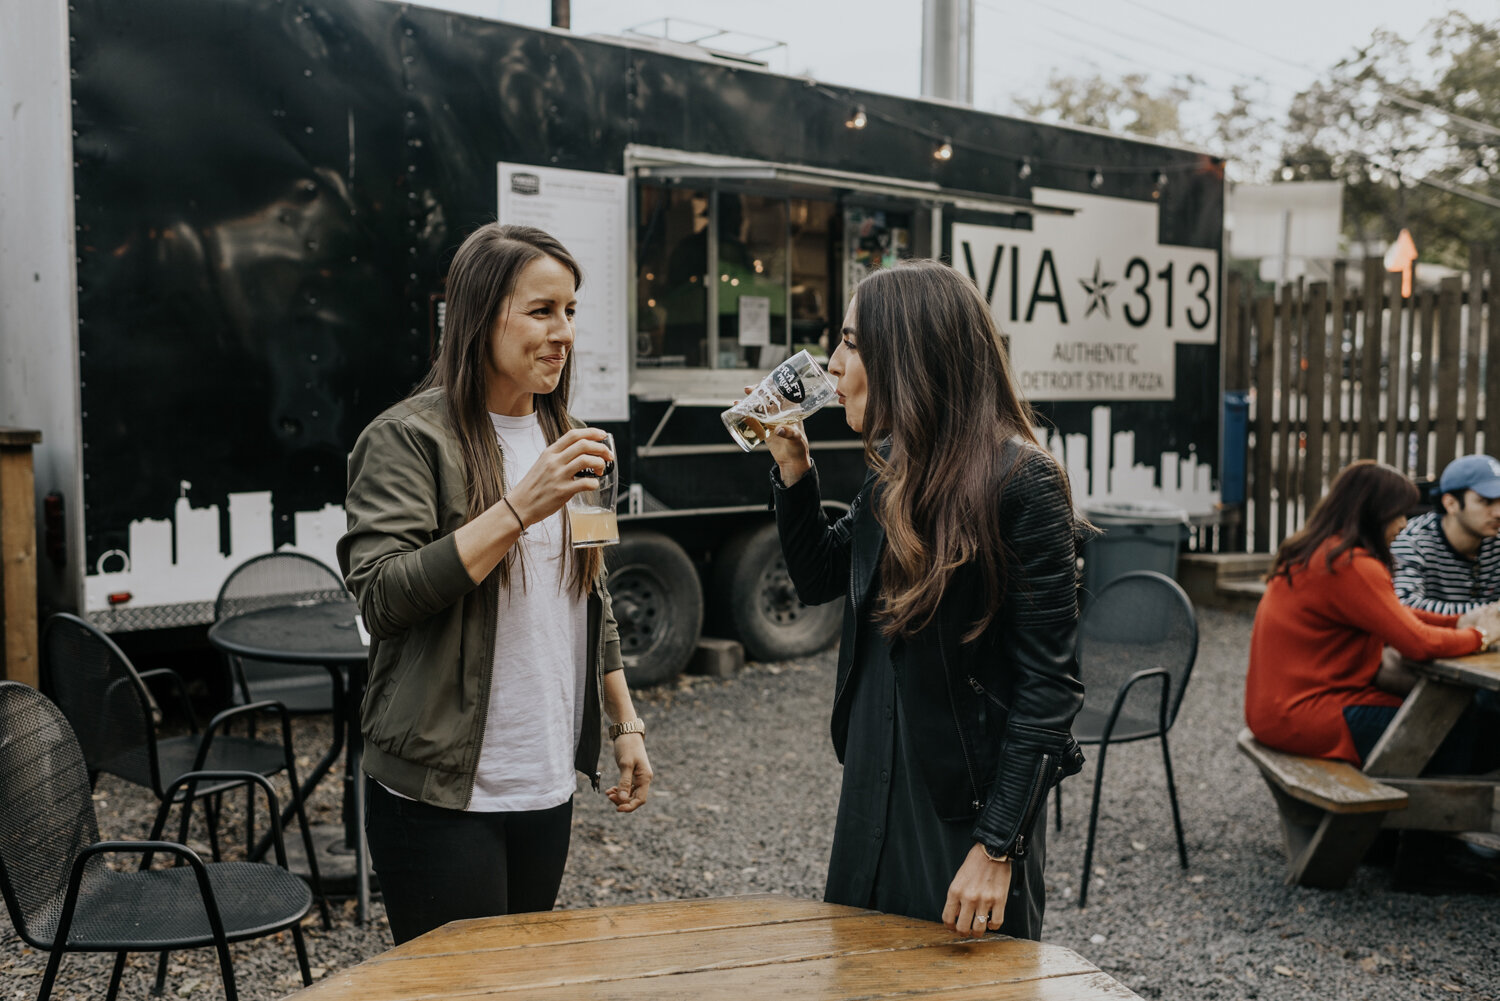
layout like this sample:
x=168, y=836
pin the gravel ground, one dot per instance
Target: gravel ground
x=744, y=802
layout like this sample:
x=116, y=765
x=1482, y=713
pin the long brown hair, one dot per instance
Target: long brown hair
x=1363, y=499
x=940, y=389
x=480, y=282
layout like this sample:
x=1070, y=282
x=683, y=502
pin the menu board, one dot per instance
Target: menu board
x=586, y=211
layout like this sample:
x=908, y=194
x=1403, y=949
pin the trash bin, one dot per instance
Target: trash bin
x=1133, y=535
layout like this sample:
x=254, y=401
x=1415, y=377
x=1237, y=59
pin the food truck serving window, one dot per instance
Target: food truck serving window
x=729, y=278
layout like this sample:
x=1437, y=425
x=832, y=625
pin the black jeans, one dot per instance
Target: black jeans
x=438, y=865
x=1472, y=747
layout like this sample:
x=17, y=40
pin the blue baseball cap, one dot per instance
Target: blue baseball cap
x=1479, y=473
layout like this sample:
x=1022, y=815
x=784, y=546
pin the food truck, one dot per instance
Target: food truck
x=226, y=223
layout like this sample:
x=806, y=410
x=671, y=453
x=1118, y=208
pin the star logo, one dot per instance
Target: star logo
x=1098, y=292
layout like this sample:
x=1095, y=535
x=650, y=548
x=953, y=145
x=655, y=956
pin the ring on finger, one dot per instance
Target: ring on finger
x=981, y=919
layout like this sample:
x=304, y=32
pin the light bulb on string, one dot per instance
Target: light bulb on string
x=1096, y=180
x=1287, y=173
x=1024, y=170
x=944, y=151
x=857, y=118
x=1376, y=175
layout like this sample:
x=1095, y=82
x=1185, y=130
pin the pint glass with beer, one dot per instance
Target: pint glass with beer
x=591, y=514
x=793, y=391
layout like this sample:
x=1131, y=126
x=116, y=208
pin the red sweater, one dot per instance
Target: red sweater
x=1316, y=647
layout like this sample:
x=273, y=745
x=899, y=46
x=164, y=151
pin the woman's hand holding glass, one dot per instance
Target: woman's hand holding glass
x=790, y=448
x=1485, y=618
x=555, y=477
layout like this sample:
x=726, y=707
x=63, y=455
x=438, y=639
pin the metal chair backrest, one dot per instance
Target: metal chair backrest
x=104, y=699
x=1141, y=620
x=277, y=579
x=46, y=809
x=267, y=581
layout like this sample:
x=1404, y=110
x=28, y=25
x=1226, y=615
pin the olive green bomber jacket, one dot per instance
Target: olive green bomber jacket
x=432, y=629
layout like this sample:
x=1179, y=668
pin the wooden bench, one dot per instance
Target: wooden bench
x=1330, y=811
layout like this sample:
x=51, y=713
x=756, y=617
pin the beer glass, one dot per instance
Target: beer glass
x=793, y=391
x=591, y=514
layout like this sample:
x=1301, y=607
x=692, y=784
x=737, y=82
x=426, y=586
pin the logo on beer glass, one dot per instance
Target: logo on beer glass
x=787, y=382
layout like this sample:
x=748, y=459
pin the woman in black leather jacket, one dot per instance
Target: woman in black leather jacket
x=957, y=682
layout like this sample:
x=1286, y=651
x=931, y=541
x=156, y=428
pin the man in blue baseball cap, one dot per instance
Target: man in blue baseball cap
x=1448, y=560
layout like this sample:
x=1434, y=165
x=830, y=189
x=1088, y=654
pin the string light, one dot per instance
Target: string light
x=1287, y=173
x=857, y=117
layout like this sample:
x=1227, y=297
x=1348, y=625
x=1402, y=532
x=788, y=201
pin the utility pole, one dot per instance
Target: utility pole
x=562, y=14
x=948, y=50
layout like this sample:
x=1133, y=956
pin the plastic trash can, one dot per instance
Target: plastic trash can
x=1133, y=535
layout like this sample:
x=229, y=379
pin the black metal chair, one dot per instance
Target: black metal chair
x=62, y=895
x=112, y=712
x=1137, y=641
x=265, y=582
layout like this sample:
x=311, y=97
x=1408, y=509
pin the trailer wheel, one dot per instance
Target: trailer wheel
x=658, y=604
x=759, y=602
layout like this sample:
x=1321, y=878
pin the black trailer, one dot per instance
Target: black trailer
x=228, y=223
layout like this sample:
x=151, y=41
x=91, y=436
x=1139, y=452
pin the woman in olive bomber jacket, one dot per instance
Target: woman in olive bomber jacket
x=493, y=650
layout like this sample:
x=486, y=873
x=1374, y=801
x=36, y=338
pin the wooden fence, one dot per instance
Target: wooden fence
x=1337, y=373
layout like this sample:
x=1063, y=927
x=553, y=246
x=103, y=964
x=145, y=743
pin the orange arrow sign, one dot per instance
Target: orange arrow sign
x=1399, y=257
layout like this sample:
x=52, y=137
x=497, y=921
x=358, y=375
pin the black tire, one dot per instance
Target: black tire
x=658, y=604
x=757, y=600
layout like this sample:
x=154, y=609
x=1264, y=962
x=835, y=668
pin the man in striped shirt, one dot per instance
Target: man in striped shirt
x=1448, y=560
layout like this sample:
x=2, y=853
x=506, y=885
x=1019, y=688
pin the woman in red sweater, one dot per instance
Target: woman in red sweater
x=1316, y=684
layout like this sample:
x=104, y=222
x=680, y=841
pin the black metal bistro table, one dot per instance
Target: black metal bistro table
x=318, y=634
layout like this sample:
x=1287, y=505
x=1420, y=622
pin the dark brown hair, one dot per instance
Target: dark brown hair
x=1364, y=498
x=940, y=389
x=480, y=282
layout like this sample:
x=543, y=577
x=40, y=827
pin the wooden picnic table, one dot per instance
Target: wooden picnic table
x=1331, y=812
x=727, y=948
x=1443, y=691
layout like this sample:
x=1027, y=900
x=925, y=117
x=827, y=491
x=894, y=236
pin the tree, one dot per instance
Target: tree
x=1127, y=105
x=1387, y=133
x=1416, y=141
x=1239, y=130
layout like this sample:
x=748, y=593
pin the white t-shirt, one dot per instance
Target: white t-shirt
x=537, y=687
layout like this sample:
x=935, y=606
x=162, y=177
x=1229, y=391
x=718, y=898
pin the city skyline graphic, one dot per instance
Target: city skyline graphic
x=180, y=560
x=1102, y=466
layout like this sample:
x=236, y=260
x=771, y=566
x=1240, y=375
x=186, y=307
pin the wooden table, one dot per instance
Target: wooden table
x=1443, y=691
x=718, y=949
x=1331, y=813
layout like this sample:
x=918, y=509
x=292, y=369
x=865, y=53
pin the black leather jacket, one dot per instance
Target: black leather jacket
x=996, y=713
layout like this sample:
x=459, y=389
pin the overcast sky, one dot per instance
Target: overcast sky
x=1276, y=45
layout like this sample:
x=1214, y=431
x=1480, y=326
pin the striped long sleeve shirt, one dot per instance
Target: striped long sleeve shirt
x=1433, y=577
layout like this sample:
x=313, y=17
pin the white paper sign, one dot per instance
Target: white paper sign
x=1094, y=304
x=755, y=320
x=586, y=211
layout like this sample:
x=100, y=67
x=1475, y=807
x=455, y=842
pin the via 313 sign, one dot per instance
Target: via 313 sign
x=1093, y=303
